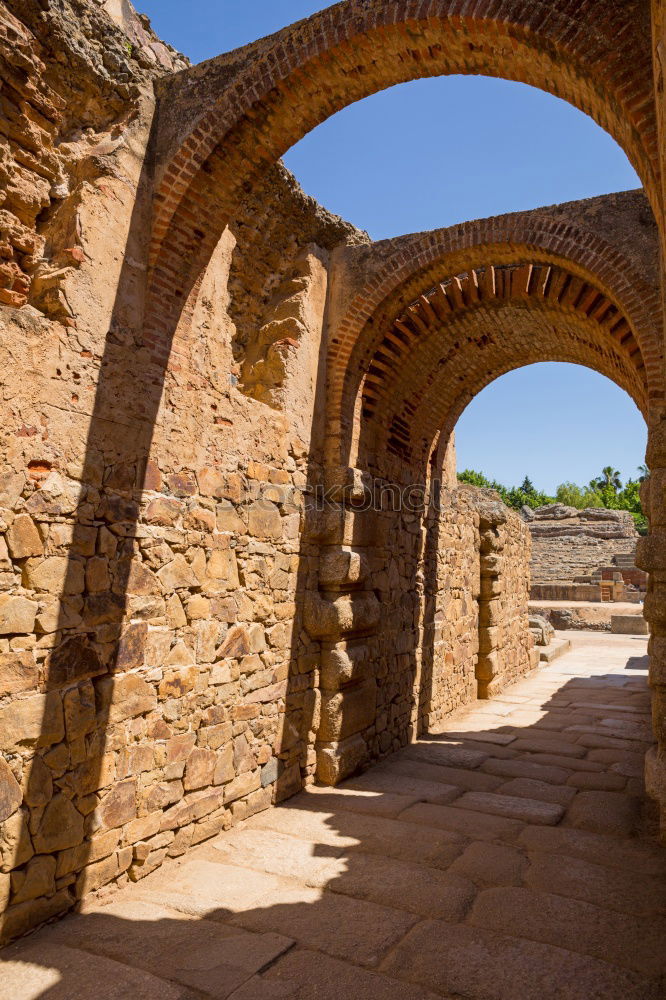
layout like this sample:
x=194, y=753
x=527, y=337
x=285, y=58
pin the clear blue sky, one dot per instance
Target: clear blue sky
x=436, y=152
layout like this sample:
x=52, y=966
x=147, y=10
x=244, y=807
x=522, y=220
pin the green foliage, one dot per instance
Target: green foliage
x=606, y=490
x=609, y=480
x=513, y=496
x=579, y=497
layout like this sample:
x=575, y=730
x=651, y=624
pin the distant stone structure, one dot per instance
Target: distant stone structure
x=583, y=555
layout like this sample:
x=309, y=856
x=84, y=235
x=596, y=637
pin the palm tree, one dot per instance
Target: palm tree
x=609, y=478
x=643, y=473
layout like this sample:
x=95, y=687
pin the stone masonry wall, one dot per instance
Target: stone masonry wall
x=154, y=679
x=185, y=637
x=480, y=640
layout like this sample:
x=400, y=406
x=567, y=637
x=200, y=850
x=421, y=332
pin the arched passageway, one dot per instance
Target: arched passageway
x=422, y=325
x=222, y=125
x=186, y=640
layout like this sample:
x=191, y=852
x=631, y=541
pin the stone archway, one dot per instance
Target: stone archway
x=585, y=238
x=221, y=125
x=417, y=351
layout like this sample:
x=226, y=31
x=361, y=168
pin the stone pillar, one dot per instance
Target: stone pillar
x=651, y=556
x=491, y=516
x=342, y=614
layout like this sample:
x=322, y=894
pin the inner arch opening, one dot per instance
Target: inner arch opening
x=437, y=151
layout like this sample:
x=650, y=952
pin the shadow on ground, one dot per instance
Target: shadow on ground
x=509, y=858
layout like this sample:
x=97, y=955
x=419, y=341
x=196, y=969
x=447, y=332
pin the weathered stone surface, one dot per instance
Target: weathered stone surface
x=178, y=682
x=336, y=761
x=347, y=712
x=17, y=615
x=236, y=643
x=579, y=926
x=79, y=708
x=37, y=783
x=459, y=960
x=199, y=769
x=264, y=520
x=37, y=879
x=177, y=574
x=61, y=826
x=349, y=613
x=125, y=696
x=131, y=648
x=72, y=661
x=33, y=721
x=514, y=807
x=55, y=574
x=603, y=812
x=224, y=766
x=118, y=806
x=18, y=672
x=23, y=538
x=10, y=792
x=15, y=841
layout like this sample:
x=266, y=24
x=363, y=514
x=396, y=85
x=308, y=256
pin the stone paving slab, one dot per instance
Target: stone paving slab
x=505, y=858
x=205, y=955
x=329, y=979
x=466, y=962
x=420, y=888
x=635, y=944
x=479, y=825
x=513, y=807
x=473, y=781
x=528, y=788
x=41, y=969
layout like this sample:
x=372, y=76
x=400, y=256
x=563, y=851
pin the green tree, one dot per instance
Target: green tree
x=512, y=496
x=579, y=497
x=474, y=478
x=643, y=473
x=609, y=479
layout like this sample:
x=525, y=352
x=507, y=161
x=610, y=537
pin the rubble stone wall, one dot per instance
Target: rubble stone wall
x=151, y=554
x=479, y=634
x=157, y=558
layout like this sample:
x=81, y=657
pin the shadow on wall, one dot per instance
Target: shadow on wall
x=406, y=883
x=94, y=730
x=89, y=645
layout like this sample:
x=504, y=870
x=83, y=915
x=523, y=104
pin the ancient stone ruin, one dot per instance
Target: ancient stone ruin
x=570, y=547
x=234, y=558
x=581, y=560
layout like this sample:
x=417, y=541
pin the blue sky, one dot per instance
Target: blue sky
x=435, y=152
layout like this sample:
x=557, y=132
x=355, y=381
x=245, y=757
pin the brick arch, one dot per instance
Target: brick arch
x=451, y=361
x=259, y=101
x=412, y=266
x=486, y=290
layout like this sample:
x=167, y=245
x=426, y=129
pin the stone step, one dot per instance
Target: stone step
x=554, y=649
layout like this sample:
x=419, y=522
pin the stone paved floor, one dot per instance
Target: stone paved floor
x=507, y=858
